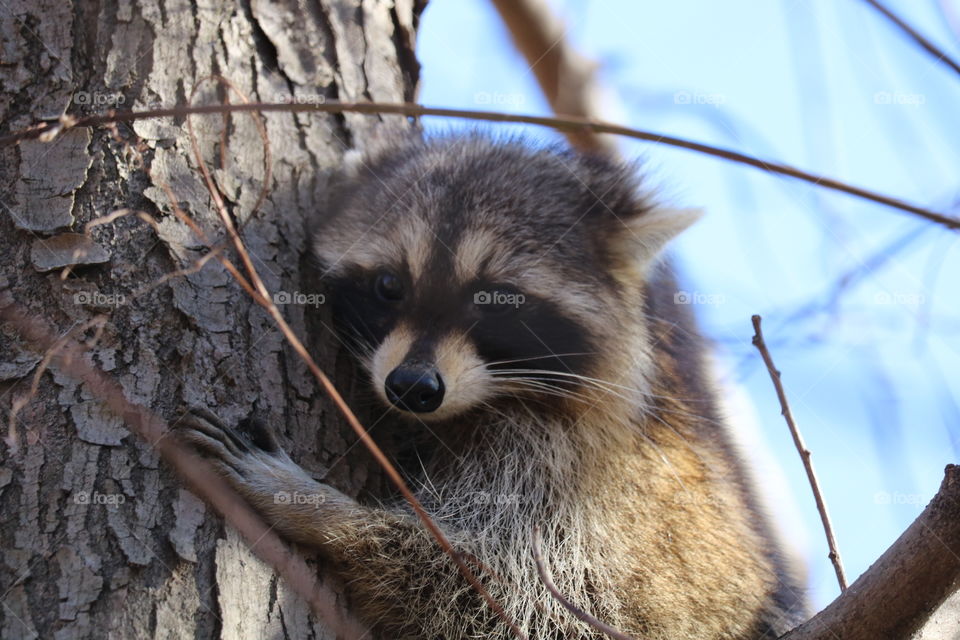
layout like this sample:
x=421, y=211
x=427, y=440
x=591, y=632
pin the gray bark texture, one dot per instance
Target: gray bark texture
x=100, y=539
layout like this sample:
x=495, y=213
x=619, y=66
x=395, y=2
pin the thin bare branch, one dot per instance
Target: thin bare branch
x=18, y=403
x=49, y=130
x=916, y=36
x=834, y=554
x=119, y=213
x=547, y=579
x=68, y=356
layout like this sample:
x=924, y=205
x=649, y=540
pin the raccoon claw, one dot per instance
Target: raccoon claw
x=230, y=450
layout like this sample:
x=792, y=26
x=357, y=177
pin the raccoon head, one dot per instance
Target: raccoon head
x=467, y=272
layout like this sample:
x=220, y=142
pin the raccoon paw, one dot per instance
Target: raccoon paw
x=298, y=507
x=241, y=454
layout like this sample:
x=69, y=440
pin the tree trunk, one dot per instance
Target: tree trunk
x=99, y=538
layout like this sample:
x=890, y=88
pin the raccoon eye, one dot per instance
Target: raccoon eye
x=388, y=287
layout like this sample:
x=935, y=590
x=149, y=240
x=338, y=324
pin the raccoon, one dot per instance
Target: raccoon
x=512, y=300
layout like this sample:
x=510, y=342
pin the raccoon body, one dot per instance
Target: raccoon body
x=512, y=302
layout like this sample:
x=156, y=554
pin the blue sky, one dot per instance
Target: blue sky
x=872, y=369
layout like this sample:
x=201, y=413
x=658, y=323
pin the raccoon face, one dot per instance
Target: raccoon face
x=465, y=270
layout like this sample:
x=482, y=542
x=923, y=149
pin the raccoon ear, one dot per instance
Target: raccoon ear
x=638, y=241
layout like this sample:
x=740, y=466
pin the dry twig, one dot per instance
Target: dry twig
x=916, y=36
x=18, y=403
x=48, y=131
x=802, y=449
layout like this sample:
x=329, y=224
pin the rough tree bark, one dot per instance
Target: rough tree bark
x=98, y=538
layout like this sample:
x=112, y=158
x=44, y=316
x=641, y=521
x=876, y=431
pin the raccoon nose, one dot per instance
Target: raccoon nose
x=415, y=387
